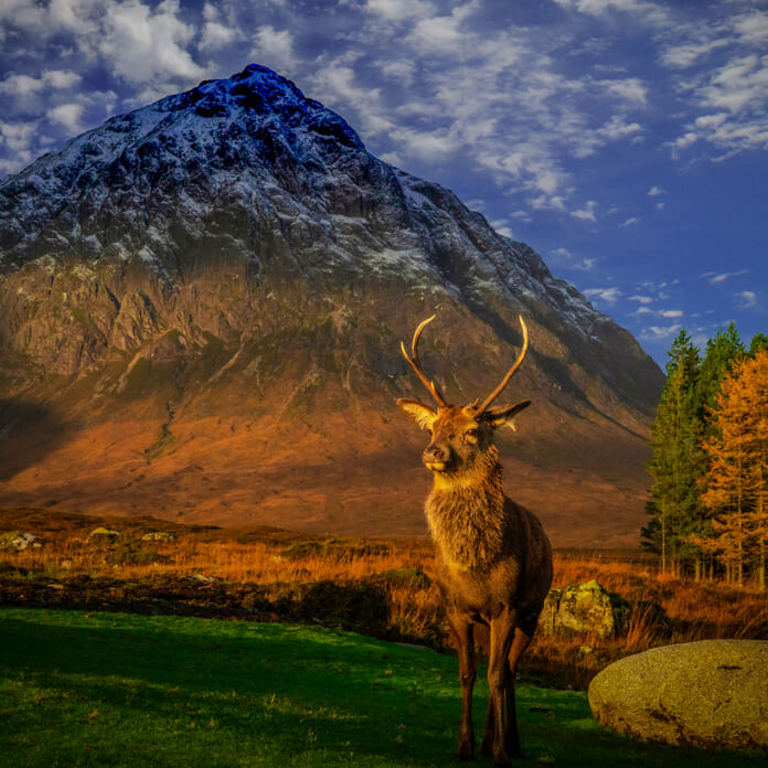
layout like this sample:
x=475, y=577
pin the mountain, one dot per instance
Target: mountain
x=201, y=304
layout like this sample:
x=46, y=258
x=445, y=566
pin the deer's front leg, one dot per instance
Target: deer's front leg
x=499, y=682
x=461, y=628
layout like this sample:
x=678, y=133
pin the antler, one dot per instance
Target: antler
x=413, y=361
x=496, y=392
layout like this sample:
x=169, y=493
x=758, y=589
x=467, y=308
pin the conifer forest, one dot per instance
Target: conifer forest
x=709, y=467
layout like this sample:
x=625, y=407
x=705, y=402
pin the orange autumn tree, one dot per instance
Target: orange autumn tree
x=736, y=482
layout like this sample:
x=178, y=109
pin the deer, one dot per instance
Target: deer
x=494, y=561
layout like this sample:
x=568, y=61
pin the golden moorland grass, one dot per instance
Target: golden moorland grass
x=272, y=559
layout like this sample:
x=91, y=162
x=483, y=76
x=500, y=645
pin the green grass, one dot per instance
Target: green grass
x=125, y=690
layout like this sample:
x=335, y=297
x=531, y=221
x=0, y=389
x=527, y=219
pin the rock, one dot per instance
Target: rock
x=548, y=613
x=158, y=536
x=18, y=541
x=584, y=608
x=711, y=693
x=101, y=531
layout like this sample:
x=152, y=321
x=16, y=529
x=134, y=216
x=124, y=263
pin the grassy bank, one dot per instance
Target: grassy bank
x=93, y=689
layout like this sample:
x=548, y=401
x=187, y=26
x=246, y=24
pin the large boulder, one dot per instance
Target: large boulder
x=584, y=608
x=712, y=693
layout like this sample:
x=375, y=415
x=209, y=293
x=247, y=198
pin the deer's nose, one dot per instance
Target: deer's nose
x=434, y=453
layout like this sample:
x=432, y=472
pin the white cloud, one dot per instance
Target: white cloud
x=430, y=146
x=641, y=299
x=740, y=83
x=566, y=260
x=748, y=299
x=398, y=10
x=441, y=34
x=24, y=85
x=69, y=115
x=217, y=36
x=629, y=89
x=392, y=158
x=631, y=221
x=752, y=28
x=336, y=85
x=648, y=12
x=142, y=44
x=655, y=191
x=609, y=295
x=399, y=70
x=715, y=279
x=670, y=313
x=659, y=332
x=734, y=101
x=618, y=128
x=20, y=85
x=18, y=136
x=274, y=48
x=682, y=56
x=587, y=213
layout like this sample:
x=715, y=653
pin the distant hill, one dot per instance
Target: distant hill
x=201, y=304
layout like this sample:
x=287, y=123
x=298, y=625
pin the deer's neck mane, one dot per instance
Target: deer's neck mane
x=466, y=514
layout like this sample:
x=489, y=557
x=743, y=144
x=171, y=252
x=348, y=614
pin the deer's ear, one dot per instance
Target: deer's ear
x=504, y=414
x=422, y=414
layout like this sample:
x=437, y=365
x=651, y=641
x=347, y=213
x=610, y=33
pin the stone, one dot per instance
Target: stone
x=584, y=608
x=710, y=694
x=18, y=541
x=158, y=536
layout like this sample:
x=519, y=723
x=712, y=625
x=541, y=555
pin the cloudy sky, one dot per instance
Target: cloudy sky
x=625, y=140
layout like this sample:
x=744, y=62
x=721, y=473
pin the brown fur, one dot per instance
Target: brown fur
x=494, y=559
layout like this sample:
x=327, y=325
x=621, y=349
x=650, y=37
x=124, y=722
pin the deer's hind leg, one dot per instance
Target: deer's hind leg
x=520, y=641
x=487, y=746
x=462, y=630
x=502, y=741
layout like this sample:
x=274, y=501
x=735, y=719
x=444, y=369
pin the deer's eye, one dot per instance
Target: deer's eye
x=471, y=435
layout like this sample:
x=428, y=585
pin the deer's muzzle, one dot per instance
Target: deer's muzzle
x=436, y=458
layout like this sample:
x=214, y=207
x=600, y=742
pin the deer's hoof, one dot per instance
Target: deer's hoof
x=465, y=750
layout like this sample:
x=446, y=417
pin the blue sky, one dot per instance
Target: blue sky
x=625, y=140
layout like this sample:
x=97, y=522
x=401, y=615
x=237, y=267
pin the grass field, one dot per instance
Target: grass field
x=93, y=689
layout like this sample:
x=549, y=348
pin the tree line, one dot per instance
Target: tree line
x=709, y=465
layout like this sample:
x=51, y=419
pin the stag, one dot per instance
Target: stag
x=494, y=559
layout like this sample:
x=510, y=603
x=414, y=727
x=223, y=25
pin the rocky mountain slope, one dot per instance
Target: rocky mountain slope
x=201, y=304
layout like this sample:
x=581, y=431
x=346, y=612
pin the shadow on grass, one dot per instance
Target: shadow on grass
x=135, y=690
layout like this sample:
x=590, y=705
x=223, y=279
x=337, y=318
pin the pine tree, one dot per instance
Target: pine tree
x=759, y=343
x=675, y=462
x=723, y=351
